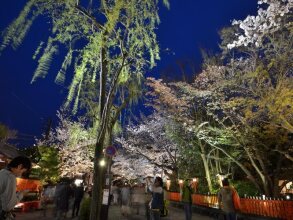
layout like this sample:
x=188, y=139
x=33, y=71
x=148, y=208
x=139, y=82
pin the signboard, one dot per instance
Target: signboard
x=105, y=197
x=110, y=151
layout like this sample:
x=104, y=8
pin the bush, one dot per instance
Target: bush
x=245, y=188
x=85, y=207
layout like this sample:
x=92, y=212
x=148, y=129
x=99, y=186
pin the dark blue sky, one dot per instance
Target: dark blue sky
x=186, y=27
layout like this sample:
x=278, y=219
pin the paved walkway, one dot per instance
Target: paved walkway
x=114, y=214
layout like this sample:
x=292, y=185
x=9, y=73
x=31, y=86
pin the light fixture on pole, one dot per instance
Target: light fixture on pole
x=102, y=162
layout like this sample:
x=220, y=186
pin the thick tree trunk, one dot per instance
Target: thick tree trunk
x=97, y=186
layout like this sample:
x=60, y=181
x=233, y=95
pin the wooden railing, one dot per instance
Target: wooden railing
x=268, y=208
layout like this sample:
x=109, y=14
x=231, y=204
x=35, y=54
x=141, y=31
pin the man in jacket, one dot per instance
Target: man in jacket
x=229, y=200
x=8, y=196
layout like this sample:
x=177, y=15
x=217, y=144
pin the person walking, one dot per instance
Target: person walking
x=8, y=196
x=62, y=195
x=138, y=197
x=115, y=193
x=148, y=199
x=157, y=202
x=125, y=199
x=229, y=200
x=78, y=195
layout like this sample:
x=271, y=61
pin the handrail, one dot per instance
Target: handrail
x=268, y=208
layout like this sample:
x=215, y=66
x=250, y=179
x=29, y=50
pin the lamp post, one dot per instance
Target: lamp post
x=110, y=151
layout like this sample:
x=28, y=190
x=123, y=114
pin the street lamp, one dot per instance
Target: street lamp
x=102, y=162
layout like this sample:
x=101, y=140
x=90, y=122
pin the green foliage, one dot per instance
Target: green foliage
x=85, y=209
x=45, y=60
x=245, y=188
x=60, y=78
x=16, y=31
x=4, y=130
x=6, y=133
x=126, y=35
x=202, y=186
x=49, y=164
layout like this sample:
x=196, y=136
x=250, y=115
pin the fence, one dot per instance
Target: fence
x=252, y=206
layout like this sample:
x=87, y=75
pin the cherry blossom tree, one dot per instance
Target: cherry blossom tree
x=149, y=142
x=74, y=142
x=269, y=19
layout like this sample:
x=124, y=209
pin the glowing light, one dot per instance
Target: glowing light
x=194, y=179
x=77, y=182
x=19, y=205
x=102, y=163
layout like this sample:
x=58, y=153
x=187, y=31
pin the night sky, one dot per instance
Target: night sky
x=188, y=26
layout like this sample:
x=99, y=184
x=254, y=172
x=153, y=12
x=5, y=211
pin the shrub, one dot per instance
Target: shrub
x=85, y=206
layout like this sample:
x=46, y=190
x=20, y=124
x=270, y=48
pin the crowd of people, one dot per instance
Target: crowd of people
x=144, y=198
x=64, y=196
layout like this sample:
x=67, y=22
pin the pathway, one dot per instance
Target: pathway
x=114, y=214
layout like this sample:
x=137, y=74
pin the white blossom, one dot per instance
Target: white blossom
x=266, y=21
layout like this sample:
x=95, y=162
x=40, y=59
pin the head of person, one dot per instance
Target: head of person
x=225, y=182
x=158, y=182
x=19, y=165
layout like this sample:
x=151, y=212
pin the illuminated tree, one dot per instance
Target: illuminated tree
x=6, y=133
x=242, y=110
x=110, y=41
x=149, y=142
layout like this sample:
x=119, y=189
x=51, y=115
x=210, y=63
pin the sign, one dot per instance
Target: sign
x=105, y=197
x=111, y=151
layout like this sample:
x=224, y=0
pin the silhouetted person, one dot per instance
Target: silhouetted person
x=62, y=195
x=78, y=195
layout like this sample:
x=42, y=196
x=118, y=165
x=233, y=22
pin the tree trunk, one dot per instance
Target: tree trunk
x=96, y=201
x=206, y=166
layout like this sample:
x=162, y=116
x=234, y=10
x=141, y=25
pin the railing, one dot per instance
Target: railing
x=268, y=208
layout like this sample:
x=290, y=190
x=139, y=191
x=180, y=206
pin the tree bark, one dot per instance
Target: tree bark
x=96, y=201
x=206, y=166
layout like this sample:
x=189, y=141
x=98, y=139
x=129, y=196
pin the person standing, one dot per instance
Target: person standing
x=148, y=199
x=186, y=198
x=78, y=195
x=157, y=202
x=115, y=193
x=138, y=197
x=125, y=199
x=62, y=195
x=229, y=200
x=8, y=196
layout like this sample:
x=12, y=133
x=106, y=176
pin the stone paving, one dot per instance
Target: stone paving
x=114, y=214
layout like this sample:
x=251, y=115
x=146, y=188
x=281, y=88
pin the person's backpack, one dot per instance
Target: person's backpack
x=164, y=211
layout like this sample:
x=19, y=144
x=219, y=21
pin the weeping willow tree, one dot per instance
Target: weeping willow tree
x=112, y=42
